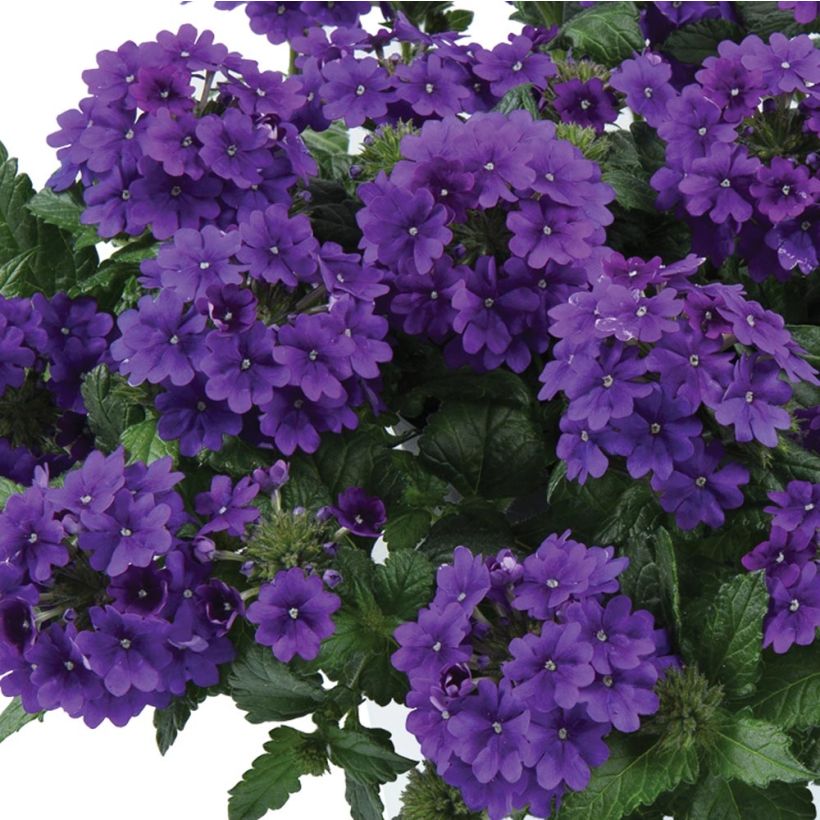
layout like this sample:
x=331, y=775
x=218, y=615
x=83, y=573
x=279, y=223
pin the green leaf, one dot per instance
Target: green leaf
x=695, y=42
x=364, y=800
x=607, y=32
x=458, y=19
x=792, y=462
x=544, y=14
x=631, y=190
x=60, y=209
x=268, y=690
x=520, y=97
x=7, y=490
x=764, y=18
x=109, y=413
x=237, y=458
x=808, y=337
x=730, y=646
x=637, y=772
x=273, y=778
x=171, y=720
x=472, y=446
x=406, y=530
x=718, y=799
x=755, y=752
x=366, y=755
x=788, y=693
x=668, y=570
x=144, y=444
x=14, y=717
x=482, y=528
x=404, y=584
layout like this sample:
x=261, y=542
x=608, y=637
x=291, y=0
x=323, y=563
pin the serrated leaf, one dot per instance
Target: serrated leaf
x=365, y=756
x=171, y=720
x=719, y=799
x=637, y=772
x=755, y=752
x=109, y=414
x=364, y=800
x=731, y=644
x=520, y=97
x=272, y=779
x=404, y=584
x=695, y=42
x=7, y=490
x=631, y=190
x=14, y=717
x=788, y=693
x=808, y=337
x=667, y=562
x=481, y=528
x=608, y=33
x=458, y=19
x=538, y=13
x=143, y=443
x=407, y=529
x=268, y=690
x=764, y=18
x=792, y=462
x=60, y=209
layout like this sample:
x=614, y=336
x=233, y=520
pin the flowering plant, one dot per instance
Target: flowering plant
x=312, y=419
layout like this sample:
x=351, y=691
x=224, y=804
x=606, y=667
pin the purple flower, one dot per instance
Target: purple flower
x=630, y=314
x=588, y=103
x=30, y=535
x=564, y=746
x=241, y=369
x=513, y=63
x=168, y=87
x=605, y=388
x=491, y=732
x=752, y=401
x=143, y=590
x=90, y=489
x=198, y=421
x=227, y=507
x=14, y=356
x=583, y=450
x=222, y=605
x=172, y=141
x=406, y=231
x=293, y=614
x=197, y=51
x=796, y=241
x=658, y=435
x=559, y=569
x=778, y=554
x=367, y=331
x=728, y=83
x=423, y=302
x=160, y=340
x=355, y=90
x=432, y=86
x=464, y=581
x=697, y=491
x=551, y=666
x=60, y=674
x=130, y=533
x=432, y=643
x=786, y=64
x=794, y=608
x=127, y=651
x=804, y=10
x=316, y=355
x=543, y=231
x=621, y=696
x=645, y=82
x=276, y=248
x=233, y=147
x=797, y=509
x=784, y=191
x=362, y=514
x=110, y=205
x=718, y=184
x=344, y=273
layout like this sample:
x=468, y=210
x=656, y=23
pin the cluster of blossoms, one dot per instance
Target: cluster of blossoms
x=106, y=608
x=462, y=192
x=518, y=671
x=657, y=368
x=741, y=165
x=46, y=346
x=789, y=558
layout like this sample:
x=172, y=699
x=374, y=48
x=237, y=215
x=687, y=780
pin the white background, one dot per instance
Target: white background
x=60, y=769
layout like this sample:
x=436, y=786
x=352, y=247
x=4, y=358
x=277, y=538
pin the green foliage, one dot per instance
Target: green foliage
x=171, y=720
x=364, y=800
x=268, y=690
x=7, y=489
x=143, y=443
x=14, y=717
x=695, y=42
x=366, y=755
x=764, y=18
x=427, y=795
x=788, y=693
x=730, y=645
x=719, y=799
x=111, y=405
x=606, y=32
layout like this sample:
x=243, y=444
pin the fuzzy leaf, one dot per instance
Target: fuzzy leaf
x=365, y=755
x=268, y=690
x=788, y=693
x=7, y=489
x=667, y=563
x=608, y=33
x=272, y=779
x=718, y=799
x=171, y=720
x=364, y=800
x=637, y=772
x=755, y=752
x=404, y=584
x=406, y=529
x=731, y=644
x=144, y=444
x=14, y=717
x=695, y=42
x=60, y=209
x=109, y=414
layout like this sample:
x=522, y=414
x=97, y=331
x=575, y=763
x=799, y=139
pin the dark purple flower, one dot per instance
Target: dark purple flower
x=583, y=450
x=797, y=509
x=143, y=590
x=645, y=82
x=160, y=340
x=231, y=308
x=355, y=90
x=233, y=147
x=130, y=533
x=293, y=614
x=197, y=51
x=228, y=507
x=465, y=581
x=90, y=489
x=14, y=356
x=622, y=695
x=168, y=87
x=588, y=103
x=362, y=514
x=728, y=83
x=222, y=605
x=367, y=331
x=778, y=554
x=804, y=10
x=630, y=314
x=513, y=63
x=697, y=491
x=544, y=231
x=344, y=273
x=794, y=608
x=110, y=206
x=784, y=191
x=786, y=64
x=277, y=248
x=796, y=241
x=432, y=86
x=172, y=141
x=127, y=651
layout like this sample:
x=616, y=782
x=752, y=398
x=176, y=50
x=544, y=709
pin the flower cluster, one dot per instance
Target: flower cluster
x=105, y=607
x=657, y=369
x=789, y=558
x=46, y=347
x=463, y=193
x=519, y=670
x=741, y=164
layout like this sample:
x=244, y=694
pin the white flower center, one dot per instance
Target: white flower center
x=726, y=183
x=437, y=646
x=429, y=88
x=497, y=728
x=647, y=92
x=174, y=340
x=413, y=231
x=360, y=89
x=204, y=265
x=126, y=533
x=601, y=635
x=547, y=231
x=584, y=435
x=607, y=381
x=700, y=481
x=749, y=397
x=607, y=681
x=231, y=150
x=794, y=605
x=32, y=539
x=549, y=665
x=694, y=360
x=641, y=311
x=585, y=104
x=563, y=734
x=293, y=612
x=654, y=428
x=69, y=665
x=222, y=510
x=125, y=643
x=488, y=302
x=489, y=166
x=702, y=131
x=734, y=92
x=85, y=500
x=245, y=364
x=786, y=190
x=517, y=66
x=200, y=406
x=552, y=583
